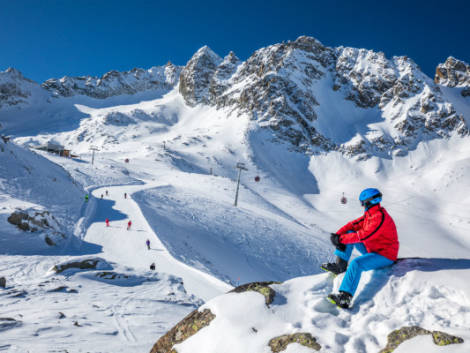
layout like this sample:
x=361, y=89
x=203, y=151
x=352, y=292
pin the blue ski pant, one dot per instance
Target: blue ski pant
x=365, y=262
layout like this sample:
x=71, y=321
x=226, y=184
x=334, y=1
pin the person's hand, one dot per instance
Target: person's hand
x=337, y=242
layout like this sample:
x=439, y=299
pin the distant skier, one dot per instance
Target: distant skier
x=147, y=242
x=129, y=225
x=86, y=198
x=106, y=192
x=125, y=195
x=152, y=266
x=101, y=195
x=107, y=222
x=374, y=235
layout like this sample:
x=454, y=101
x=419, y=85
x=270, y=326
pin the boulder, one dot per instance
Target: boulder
x=260, y=287
x=187, y=327
x=403, y=334
x=279, y=344
x=83, y=264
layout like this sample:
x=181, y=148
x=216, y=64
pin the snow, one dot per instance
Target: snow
x=180, y=186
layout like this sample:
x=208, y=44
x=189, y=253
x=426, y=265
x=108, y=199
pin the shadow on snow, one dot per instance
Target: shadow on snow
x=401, y=268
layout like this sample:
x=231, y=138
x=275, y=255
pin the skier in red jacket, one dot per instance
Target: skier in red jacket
x=374, y=235
x=129, y=225
x=107, y=222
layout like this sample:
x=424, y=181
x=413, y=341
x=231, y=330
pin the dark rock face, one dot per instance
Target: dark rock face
x=115, y=83
x=405, y=333
x=279, y=344
x=260, y=287
x=187, y=327
x=3, y=282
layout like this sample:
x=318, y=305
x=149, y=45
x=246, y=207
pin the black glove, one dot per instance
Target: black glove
x=336, y=242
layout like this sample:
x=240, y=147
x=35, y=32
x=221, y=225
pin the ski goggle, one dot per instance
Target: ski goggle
x=364, y=202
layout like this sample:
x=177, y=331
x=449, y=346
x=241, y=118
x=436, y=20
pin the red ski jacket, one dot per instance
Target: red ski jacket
x=376, y=230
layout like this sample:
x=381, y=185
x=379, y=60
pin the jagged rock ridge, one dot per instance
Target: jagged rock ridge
x=279, y=86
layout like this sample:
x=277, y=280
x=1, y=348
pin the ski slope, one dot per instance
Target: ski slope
x=128, y=246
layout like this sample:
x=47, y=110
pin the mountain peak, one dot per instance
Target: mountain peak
x=205, y=51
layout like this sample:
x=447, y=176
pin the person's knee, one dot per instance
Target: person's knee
x=355, y=264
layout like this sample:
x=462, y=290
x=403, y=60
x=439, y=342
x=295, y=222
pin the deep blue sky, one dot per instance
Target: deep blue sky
x=52, y=38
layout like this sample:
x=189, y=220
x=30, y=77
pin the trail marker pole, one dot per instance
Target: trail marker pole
x=93, y=149
x=240, y=167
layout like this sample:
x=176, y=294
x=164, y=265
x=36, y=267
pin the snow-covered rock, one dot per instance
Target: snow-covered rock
x=453, y=73
x=195, y=78
x=17, y=90
x=115, y=83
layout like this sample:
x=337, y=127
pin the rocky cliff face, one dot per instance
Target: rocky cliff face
x=282, y=87
x=115, y=83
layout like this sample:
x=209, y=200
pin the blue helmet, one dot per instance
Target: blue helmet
x=370, y=197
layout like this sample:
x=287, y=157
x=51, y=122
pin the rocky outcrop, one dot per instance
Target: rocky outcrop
x=39, y=221
x=115, y=83
x=279, y=344
x=453, y=73
x=92, y=263
x=187, y=327
x=405, y=333
x=3, y=282
x=196, y=77
x=260, y=287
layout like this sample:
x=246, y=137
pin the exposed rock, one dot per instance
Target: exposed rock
x=260, y=287
x=279, y=344
x=453, y=73
x=111, y=275
x=405, y=333
x=7, y=323
x=444, y=339
x=62, y=289
x=187, y=327
x=196, y=77
x=3, y=282
x=36, y=220
x=85, y=264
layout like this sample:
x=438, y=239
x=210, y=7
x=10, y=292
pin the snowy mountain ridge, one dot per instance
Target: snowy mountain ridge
x=115, y=83
x=315, y=98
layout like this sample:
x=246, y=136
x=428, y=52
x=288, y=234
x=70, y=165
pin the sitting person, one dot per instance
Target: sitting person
x=374, y=235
